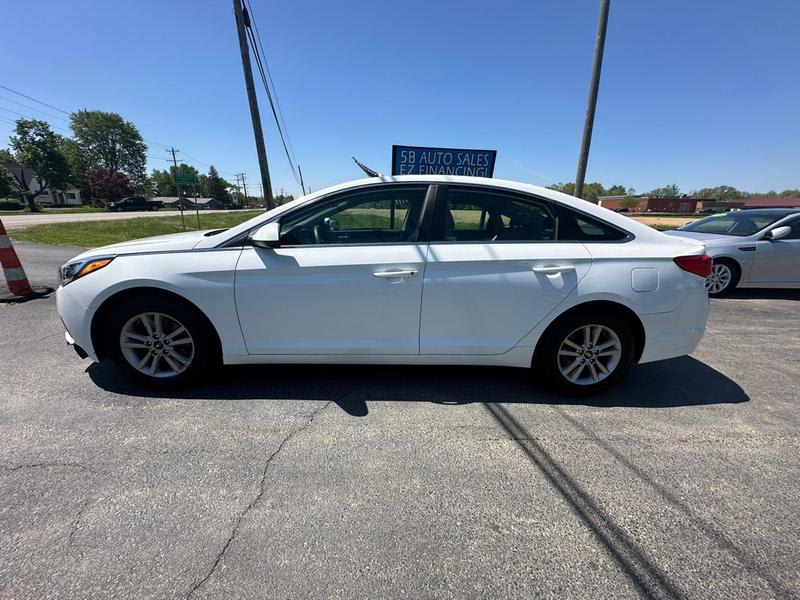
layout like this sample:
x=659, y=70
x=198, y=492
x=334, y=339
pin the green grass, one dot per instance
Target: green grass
x=100, y=233
x=55, y=211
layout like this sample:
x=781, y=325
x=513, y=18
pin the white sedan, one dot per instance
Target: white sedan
x=758, y=248
x=404, y=270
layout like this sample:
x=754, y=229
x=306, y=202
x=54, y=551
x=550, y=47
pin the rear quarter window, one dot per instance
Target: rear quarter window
x=577, y=227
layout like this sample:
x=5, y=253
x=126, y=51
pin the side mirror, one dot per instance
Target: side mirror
x=778, y=233
x=268, y=236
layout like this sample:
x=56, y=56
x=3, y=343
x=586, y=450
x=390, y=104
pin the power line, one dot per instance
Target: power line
x=271, y=82
x=61, y=110
x=154, y=143
x=28, y=106
x=67, y=131
x=209, y=165
x=272, y=103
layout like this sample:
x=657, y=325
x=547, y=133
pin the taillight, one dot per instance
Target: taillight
x=699, y=265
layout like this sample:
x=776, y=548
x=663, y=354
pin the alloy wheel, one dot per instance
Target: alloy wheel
x=156, y=345
x=589, y=354
x=719, y=279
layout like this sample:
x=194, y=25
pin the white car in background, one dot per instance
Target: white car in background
x=433, y=270
x=754, y=248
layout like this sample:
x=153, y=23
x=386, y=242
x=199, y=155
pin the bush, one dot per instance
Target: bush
x=10, y=205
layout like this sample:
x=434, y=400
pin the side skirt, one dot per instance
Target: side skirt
x=516, y=357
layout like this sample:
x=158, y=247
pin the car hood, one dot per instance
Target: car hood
x=709, y=239
x=160, y=243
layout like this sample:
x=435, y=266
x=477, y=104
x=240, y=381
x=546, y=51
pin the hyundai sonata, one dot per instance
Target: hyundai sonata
x=414, y=269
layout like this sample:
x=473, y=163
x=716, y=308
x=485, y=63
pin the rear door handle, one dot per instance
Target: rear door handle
x=553, y=269
x=394, y=274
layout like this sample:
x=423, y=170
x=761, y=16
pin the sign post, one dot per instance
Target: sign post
x=417, y=160
x=189, y=179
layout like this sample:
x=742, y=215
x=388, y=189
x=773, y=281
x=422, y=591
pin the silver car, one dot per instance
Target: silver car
x=751, y=248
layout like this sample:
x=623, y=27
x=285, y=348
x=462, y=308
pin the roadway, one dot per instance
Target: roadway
x=29, y=220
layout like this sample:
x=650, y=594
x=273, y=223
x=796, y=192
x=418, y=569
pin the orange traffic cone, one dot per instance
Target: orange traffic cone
x=14, y=273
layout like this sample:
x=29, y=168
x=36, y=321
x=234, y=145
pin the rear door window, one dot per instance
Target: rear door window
x=474, y=214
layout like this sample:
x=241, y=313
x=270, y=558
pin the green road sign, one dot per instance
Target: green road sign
x=184, y=179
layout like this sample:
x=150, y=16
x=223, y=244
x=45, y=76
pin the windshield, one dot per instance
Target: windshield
x=740, y=223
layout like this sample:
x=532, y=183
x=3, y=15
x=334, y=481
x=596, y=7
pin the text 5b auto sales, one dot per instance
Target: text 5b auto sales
x=413, y=160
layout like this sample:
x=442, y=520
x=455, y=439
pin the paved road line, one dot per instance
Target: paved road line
x=28, y=220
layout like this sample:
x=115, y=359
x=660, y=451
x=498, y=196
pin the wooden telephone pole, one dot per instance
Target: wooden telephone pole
x=594, y=85
x=242, y=20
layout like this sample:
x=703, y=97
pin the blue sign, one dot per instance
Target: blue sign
x=416, y=160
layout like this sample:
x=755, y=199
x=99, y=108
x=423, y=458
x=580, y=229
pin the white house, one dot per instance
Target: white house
x=69, y=196
x=188, y=203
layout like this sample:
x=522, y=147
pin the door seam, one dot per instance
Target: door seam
x=422, y=299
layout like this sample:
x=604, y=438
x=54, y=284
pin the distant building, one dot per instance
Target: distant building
x=189, y=203
x=69, y=196
x=656, y=204
x=686, y=204
x=770, y=202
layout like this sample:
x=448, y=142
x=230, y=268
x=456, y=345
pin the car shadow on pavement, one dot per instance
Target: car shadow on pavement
x=681, y=381
x=762, y=294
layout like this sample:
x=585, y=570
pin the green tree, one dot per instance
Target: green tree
x=36, y=148
x=591, y=191
x=76, y=161
x=217, y=187
x=7, y=188
x=616, y=190
x=161, y=183
x=106, y=139
x=202, y=185
x=565, y=188
x=668, y=190
x=721, y=192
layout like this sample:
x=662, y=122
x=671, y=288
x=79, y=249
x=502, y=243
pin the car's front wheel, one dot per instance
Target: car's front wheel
x=160, y=342
x=584, y=354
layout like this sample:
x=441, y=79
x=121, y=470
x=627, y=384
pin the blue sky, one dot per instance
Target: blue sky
x=698, y=93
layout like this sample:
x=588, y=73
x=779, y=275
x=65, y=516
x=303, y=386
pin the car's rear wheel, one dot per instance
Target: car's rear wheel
x=584, y=354
x=160, y=342
x=724, y=277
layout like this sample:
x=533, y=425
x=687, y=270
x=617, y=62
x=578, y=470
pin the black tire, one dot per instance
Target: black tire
x=735, y=272
x=205, y=356
x=549, y=363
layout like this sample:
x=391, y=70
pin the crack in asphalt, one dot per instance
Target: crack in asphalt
x=261, y=489
x=76, y=523
x=45, y=465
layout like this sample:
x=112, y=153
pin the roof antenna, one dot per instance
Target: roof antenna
x=366, y=169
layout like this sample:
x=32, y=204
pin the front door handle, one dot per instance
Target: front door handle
x=553, y=269
x=394, y=274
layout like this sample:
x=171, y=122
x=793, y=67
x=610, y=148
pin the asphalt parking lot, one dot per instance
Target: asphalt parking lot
x=379, y=482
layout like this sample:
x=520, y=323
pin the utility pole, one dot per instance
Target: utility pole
x=177, y=188
x=302, y=185
x=242, y=20
x=594, y=85
x=244, y=185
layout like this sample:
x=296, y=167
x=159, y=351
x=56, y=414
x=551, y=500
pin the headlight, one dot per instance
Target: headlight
x=73, y=270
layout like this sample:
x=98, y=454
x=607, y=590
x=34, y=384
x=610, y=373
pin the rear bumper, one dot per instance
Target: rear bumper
x=77, y=322
x=676, y=333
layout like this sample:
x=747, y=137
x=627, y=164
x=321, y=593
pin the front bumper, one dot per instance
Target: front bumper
x=77, y=320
